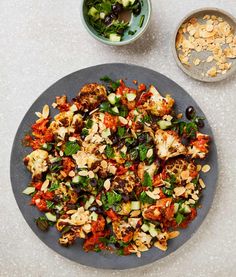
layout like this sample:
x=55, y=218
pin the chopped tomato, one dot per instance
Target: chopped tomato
x=37, y=185
x=110, y=121
x=121, y=170
x=94, y=240
x=142, y=87
x=143, y=98
x=47, y=195
x=169, y=212
x=98, y=225
x=68, y=165
x=127, y=250
x=41, y=205
x=113, y=216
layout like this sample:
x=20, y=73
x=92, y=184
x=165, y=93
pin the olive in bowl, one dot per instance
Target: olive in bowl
x=116, y=22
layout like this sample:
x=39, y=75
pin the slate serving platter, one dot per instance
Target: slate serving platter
x=70, y=85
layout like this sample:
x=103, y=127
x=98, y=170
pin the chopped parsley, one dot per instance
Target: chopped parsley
x=71, y=148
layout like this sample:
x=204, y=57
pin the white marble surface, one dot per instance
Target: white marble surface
x=42, y=41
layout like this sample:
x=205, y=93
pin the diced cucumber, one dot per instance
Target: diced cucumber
x=94, y=216
x=114, y=37
x=153, y=231
x=102, y=15
x=93, y=12
x=75, y=180
x=49, y=177
x=106, y=133
x=127, y=3
x=130, y=96
x=184, y=209
x=135, y=205
x=145, y=227
x=101, y=116
x=108, y=220
x=112, y=98
x=115, y=110
x=176, y=207
x=28, y=190
x=89, y=202
x=51, y=217
x=163, y=124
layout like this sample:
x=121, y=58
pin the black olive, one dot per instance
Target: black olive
x=117, y=8
x=142, y=138
x=137, y=9
x=93, y=209
x=108, y=20
x=113, y=16
x=120, y=32
x=117, y=245
x=115, y=139
x=77, y=189
x=190, y=112
x=120, y=144
x=200, y=123
x=93, y=182
x=125, y=197
x=43, y=225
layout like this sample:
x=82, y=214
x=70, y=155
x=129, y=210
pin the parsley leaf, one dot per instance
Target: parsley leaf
x=142, y=152
x=50, y=204
x=109, y=151
x=89, y=124
x=121, y=131
x=71, y=148
x=179, y=218
x=110, y=198
x=147, y=182
x=144, y=198
x=53, y=187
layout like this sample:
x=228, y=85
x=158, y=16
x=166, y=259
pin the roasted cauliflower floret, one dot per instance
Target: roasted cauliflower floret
x=36, y=162
x=67, y=239
x=150, y=169
x=157, y=104
x=124, y=183
x=91, y=95
x=123, y=230
x=168, y=144
x=199, y=147
x=181, y=169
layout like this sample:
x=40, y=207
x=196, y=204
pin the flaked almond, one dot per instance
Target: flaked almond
x=71, y=211
x=45, y=185
x=149, y=153
x=179, y=191
x=202, y=184
x=63, y=174
x=61, y=153
x=174, y=234
x=195, y=197
x=199, y=167
x=99, y=202
x=83, y=173
x=135, y=213
x=160, y=246
x=54, y=105
x=152, y=195
x=72, y=139
x=91, y=174
x=206, y=168
x=101, y=148
x=112, y=169
x=123, y=120
x=87, y=228
x=104, y=164
x=191, y=201
x=107, y=184
x=38, y=114
x=73, y=108
x=184, y=174
x=196, y=61
x=45, y=112
x=71, y=173
x=209, y=59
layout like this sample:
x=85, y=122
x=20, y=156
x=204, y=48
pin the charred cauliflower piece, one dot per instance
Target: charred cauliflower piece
x=199, y=147
x=157, y=104
x=168, y=144
x=124, y=183
x=181, y=169
x=36, y=162
x=123, y=230
x=67, y=239
x=91, y=95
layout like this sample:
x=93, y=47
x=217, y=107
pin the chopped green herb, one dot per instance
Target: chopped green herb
x=89, y=124
x=147, y=180
x=144, y=198
x=50, y=204
x=71, y=148
x=54, y=186
x=121, y=131
x=111, y=198
x=179, y=218
x=109, y=151
x=141, y=21
x=142, y=152
x=131, y=33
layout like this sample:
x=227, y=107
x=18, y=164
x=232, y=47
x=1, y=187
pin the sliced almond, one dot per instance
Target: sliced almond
x=209, y=59
x=202, y=184
x=107, y=184
x=196, y=61
x=71, y=173
x=195, y=197
x=83, y=173
x=99, y=202
x=179, y=190
x=149, y=153
x=63, y=174
x=91, y=174
x=135, y=213
x=104, y=164
x=174, y=234
x=199, y=167
x=45, y=185
x=123, y=120
x=45, y=112
x=206, y=168
x=191, y=201
x=160, y=246
x=184, y=174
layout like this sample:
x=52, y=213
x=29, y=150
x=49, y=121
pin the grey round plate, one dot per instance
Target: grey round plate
x=196, y=71
x=70, y=85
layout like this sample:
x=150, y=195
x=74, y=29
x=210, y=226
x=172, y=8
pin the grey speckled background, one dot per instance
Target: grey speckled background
x=42, y=41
